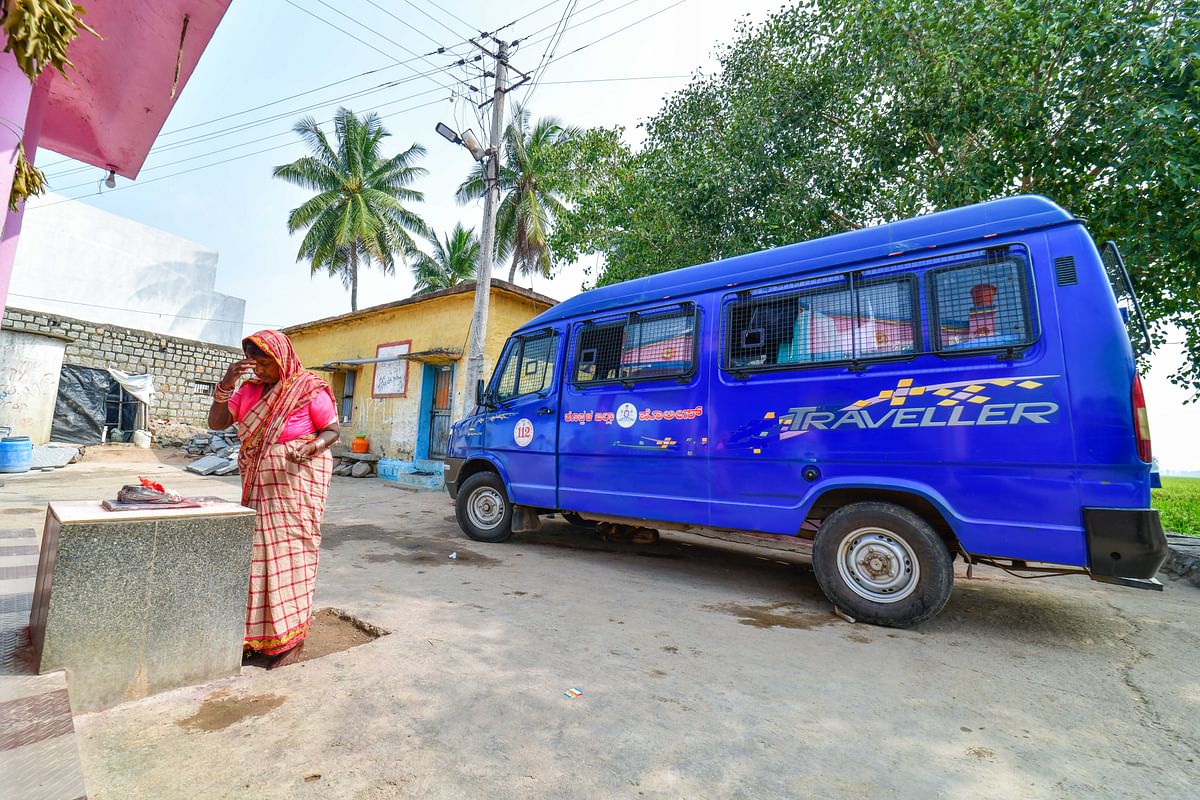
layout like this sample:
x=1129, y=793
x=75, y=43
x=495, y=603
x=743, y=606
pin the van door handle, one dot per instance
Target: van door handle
x=545, y=411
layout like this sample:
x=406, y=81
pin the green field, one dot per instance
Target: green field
x=1179, y=504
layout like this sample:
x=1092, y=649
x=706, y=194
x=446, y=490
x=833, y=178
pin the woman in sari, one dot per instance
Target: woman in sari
x=287, y=422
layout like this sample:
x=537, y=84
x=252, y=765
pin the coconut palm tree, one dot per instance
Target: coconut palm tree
x=532, y=182
x=359, y=214
x=453, y=261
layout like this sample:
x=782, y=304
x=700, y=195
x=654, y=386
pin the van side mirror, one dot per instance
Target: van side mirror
x=479, y=392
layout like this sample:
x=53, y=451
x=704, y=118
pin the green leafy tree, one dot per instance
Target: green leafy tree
x=533, y=178
x=844, y=113
x=453, y=261
x=359, y=214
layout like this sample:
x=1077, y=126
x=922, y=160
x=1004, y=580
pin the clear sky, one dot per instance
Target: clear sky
x=273, y=61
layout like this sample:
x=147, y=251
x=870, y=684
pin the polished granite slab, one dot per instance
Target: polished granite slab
x=132, y=603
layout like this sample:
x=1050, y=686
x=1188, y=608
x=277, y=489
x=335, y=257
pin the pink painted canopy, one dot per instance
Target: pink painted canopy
x=110, y=109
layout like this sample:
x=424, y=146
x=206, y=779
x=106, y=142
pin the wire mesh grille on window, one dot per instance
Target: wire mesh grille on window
x=979, y=305
x=203, y=388
x=659, y=344
x=529, y=367
x=836, y=320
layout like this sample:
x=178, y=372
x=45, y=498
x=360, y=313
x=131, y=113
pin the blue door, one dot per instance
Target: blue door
x=634, y=436
x=521, y=429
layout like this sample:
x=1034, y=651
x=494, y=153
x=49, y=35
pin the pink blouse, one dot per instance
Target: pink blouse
x=311, y=418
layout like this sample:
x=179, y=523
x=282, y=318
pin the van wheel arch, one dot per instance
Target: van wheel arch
x=834, y=499
x=476, y=466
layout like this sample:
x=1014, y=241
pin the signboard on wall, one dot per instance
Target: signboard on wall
x=391, y=377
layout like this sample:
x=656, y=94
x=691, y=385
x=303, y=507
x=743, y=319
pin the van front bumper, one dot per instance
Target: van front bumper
x=450, y=472
x=1125, y=545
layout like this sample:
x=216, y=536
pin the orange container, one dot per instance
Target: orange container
x=360, y=445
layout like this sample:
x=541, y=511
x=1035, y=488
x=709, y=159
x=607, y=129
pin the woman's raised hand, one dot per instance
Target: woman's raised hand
x=237, y=370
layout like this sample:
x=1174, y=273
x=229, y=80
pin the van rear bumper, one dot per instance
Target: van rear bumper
x=1124, y=542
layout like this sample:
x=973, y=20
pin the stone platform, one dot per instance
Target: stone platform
x=136, y=602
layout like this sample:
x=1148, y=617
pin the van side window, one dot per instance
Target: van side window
x=640, y=346
x=980, y=305
x=837, y=319
x=528, y=367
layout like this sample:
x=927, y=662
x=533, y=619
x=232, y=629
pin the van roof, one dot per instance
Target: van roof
x=942, y=228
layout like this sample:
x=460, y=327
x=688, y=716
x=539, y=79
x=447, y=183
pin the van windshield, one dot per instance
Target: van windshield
x=1122, y=286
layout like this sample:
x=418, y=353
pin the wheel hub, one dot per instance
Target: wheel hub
x=486, y=507
x=878, y=565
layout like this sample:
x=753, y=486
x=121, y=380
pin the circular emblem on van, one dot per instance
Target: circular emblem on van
x=627, y=414
x=523, y=432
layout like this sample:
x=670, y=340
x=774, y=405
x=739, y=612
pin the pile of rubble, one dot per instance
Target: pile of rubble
x=219, y=451
x=353, y=465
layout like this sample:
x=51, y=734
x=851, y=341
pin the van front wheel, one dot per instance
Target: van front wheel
x=881, y=563
x=482, y=508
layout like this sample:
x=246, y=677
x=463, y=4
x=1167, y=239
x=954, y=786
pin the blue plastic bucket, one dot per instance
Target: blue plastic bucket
x=16, y=454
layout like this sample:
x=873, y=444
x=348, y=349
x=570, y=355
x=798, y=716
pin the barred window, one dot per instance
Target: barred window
x=818, y=321
x=640, y=346
x=203, y=388
x=528, y=366
x=980, y=305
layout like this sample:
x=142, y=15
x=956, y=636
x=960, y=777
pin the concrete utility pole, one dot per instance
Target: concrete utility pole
x=491, y=201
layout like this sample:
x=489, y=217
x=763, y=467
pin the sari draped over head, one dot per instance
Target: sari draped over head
x=290, y=501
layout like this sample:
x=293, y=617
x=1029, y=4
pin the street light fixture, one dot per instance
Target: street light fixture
x=467, y=140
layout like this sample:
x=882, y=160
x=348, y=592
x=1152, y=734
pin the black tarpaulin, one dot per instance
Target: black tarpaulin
x=80, y=411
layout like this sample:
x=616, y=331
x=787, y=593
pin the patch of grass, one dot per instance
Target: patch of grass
x=1178, y=502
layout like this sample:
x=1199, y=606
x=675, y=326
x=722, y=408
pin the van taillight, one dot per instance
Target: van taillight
x=1141, y=421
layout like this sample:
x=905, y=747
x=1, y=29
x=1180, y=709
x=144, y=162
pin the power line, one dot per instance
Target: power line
x=214, y=164
x=367, y=27
x=618, y=30
x=548, y=53
x=421, y=10
x=441, y=50
x=138, y=310
x=451, y=14
x=251, y=141
x=217, y=134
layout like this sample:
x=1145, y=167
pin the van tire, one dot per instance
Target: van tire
x=483, y=509
x=915, y=571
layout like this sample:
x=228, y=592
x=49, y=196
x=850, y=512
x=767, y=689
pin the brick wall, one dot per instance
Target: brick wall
x=176, y=364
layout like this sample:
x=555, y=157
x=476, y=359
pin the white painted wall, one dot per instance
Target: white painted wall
x=82, y=262
x=29, y=368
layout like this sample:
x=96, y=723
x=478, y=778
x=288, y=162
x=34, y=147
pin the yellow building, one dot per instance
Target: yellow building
x=398, y=371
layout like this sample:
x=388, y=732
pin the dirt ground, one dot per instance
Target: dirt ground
x=703, y=670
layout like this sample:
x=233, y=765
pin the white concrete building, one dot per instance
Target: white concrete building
x=79, y=261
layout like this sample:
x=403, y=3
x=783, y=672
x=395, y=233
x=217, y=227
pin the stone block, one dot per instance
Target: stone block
x=207, y=465
x=131, y=603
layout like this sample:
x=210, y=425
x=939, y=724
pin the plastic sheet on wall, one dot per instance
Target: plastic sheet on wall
x=80, y=410
x=140, y=386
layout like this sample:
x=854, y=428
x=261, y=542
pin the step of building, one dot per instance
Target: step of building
x=416, y=480
x=39, y=759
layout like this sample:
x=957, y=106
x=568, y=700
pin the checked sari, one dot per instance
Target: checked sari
x=290, y=501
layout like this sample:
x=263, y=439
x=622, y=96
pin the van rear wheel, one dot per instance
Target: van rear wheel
x=482, y=508
x=881, y=563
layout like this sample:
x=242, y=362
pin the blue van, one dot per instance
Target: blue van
x=959, y=384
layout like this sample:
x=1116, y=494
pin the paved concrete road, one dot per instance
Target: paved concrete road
x=707, y=671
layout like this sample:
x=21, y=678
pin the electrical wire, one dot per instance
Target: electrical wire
x=368, y=28
x=548, y=54
x=249, y=142
x=619, y=30
x=217, y=134
x=422, y=11
x=214, y=164
x=138, y=310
